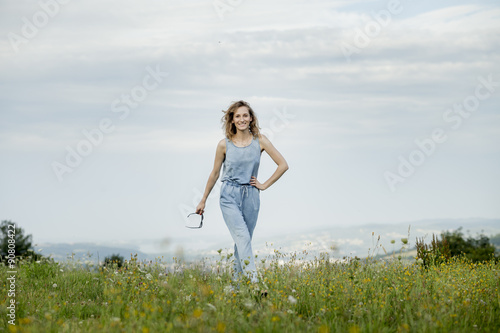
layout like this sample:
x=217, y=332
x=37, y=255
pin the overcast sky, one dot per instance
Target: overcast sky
x=386, y=111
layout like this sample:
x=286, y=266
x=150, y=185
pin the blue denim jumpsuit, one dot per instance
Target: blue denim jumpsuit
x=240, y=203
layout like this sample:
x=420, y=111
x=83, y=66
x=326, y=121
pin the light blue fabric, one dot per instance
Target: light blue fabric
x=240, y=203
x=241, y=162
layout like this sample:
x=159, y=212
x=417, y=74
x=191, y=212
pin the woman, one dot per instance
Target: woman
x=240, y=153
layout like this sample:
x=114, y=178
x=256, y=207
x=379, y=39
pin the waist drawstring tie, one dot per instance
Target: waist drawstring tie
x=243, y=190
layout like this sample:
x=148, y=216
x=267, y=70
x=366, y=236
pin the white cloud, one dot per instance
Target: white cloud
x=275, y=55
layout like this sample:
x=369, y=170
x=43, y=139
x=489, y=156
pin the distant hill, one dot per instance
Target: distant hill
x=86, y=252
x=495, y=240
x=356, y=240
x=362, y=240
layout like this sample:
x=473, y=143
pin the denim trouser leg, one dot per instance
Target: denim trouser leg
x=240, y=208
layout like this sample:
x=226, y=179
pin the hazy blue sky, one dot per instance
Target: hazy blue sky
x=344, y=89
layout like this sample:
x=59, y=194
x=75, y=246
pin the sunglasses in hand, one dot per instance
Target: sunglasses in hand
x=194, y=221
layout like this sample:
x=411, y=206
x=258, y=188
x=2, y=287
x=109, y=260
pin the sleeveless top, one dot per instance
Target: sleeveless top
x=241, y=163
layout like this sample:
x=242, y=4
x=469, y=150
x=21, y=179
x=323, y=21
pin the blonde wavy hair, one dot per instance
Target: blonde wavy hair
x=230, y=129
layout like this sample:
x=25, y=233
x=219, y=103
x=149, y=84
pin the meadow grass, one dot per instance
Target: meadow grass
x=319, y=295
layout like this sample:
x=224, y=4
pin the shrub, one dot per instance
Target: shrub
x=114, y=259
x=453, y=244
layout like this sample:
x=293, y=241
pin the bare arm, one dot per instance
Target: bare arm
x=220, y=155
x=277, y=158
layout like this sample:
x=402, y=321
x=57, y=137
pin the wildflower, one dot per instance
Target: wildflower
x=197, y=313
x=24, y=321
x=292, y=299
x=221, y=327
x=324, y=329
x=228, y=289
x=354, y=329
x=248, y=304
x=405, y=327
x=54, y=285
x=149, y=276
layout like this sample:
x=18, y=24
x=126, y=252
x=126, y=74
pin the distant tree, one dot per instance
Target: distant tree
x=14, y=235
x=495, y=240
x=453, y=243
x=476, y=249
x=113, y=259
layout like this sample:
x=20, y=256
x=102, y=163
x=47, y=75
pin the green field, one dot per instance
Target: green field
x=320, y=295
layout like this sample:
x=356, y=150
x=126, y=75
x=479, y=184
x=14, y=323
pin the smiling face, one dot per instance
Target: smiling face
x=242, y=118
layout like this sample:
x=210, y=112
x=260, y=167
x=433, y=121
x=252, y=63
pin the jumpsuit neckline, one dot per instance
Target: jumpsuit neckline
x=244, y=146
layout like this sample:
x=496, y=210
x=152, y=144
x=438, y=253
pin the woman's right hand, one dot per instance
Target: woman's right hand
x=200, y=209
